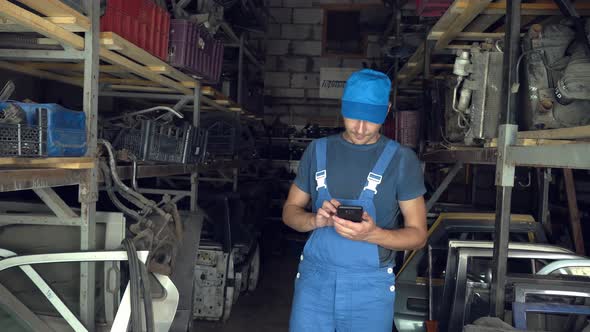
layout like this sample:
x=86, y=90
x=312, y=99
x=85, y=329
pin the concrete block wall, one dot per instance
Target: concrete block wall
x=293, y=47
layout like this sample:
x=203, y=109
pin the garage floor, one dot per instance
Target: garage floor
x=268, y=307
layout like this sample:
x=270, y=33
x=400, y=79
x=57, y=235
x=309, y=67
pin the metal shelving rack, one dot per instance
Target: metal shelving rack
x=466, y=21
x=128, y=72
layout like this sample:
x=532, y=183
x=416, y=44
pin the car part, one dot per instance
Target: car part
x=556, y=75
x=165, y=305
x=158, y=227
x=474, y=109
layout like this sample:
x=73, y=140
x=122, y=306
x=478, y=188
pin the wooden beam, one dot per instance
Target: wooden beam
x=531, y=142
x=61, y=162
x=159, y=69
x=67, y=23
x=474, y=8
x=482, y=22
x=534, y=8
x=436, y=35
x=561, y=133
x=57, y=8
x=124, y=87
x=72, y=67
x=524, y=20
x=574, y=213
x=39, y=24
x=138, y=54
x=137, y=69
x=39, y=73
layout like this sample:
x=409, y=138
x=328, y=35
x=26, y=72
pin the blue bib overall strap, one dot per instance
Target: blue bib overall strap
x=374, y=178
x=341, y=285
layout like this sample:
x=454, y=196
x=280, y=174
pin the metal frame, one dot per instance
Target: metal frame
x=458, y=277
x=520, y=311
x=550, y=268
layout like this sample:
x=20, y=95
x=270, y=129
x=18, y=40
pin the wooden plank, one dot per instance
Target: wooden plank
x=139, y=70
x=57, y=8
x=524, y=20
x=482, y=22
x=39, y=73
x=128, y=81
x=574, y=213
x=208, y=91
x=40, y=25
x=530, y=8
x=61, y=162
x=159, y=69
x=532, y=142
x=72, y=67
x=436, y=35
x=140, y=55
x=67, y=23
x=561, y=133
x=124, y=87
x=474, y=8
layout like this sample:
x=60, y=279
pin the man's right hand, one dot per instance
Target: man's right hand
x=323, y=217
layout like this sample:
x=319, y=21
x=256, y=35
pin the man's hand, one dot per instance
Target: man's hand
x=357, y=231
x=326, y=214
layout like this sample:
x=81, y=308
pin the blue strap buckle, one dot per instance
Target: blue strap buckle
x=373, y=180
x=320, y=178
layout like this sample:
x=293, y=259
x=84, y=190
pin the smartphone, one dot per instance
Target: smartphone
x=350, y=212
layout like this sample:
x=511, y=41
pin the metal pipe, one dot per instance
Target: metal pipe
x=147, y=110
x=240, y=68
x=511, y=50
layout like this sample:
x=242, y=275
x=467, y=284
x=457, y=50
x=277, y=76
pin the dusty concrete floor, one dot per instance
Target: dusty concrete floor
x=266, y=309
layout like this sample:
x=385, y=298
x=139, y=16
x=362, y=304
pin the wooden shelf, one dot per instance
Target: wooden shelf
x=62, y=162
x=22, y=179
x=470, y=21
x=125, y=67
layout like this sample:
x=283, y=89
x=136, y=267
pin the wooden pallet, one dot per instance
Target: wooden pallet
x=467, y=21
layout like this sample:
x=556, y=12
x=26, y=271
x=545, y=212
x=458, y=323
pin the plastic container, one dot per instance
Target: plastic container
x=195, y=50
x=63, y=131
x=432, y=8
x=141, y=22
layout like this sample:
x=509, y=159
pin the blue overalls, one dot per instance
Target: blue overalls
x=340, y=285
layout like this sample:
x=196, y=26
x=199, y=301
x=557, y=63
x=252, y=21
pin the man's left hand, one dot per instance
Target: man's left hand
x=357, y=231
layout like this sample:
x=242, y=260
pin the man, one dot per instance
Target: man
x=345, y=280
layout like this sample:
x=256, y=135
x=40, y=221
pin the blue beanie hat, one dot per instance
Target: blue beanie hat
x=366, y=96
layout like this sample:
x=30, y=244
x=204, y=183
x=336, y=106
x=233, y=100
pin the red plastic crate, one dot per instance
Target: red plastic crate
x=432, y=8
x=141, y=22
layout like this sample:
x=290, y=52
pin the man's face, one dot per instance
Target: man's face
x=361, y=132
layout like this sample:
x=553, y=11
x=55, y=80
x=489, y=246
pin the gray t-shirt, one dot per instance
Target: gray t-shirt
x=348, y=165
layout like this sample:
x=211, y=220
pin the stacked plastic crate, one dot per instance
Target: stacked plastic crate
x=432, y=8
x=141, y=22
x=194, y=50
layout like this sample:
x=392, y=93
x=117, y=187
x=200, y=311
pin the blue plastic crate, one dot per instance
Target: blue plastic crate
x=65, y=129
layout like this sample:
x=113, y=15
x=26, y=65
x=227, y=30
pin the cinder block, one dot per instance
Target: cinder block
x=277, y=79
x=298, y=3
x=281, y=15
x=309, y=81
x=270, y=64
x=304, y=110
x=292, y=64
x=318, y=32
x=308, y=16
x=312, y=48
x=277, y=47
x=273, y=3
x=297, y=31
x=333, y=62
x=289, y=93
x=373, y=50
x=355, y=63
x=273, y=31
x=312, y=93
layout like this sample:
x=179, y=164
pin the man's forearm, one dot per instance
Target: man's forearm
x=298, y=219
x=407, y=238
